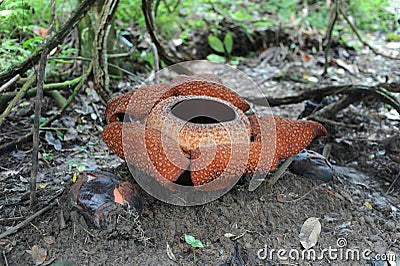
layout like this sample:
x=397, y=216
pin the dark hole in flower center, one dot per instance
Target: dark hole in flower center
x=203, y=120
x=184, y=179
x=203, y=111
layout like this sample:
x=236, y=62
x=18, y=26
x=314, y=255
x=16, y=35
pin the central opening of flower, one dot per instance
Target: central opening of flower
x=203, y=111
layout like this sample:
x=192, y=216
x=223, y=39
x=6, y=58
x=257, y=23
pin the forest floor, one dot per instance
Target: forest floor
x=359, y=208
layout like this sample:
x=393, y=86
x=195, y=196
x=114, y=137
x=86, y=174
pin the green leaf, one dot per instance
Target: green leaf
x=189, y=239
x=228, y=43
x=216, y=44
x=216, y=58
x=60, y=136
x=197, y=244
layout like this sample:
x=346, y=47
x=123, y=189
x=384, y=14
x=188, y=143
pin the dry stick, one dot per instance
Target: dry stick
x=353, y=27
x=5, y=258
x=392, y=184
x=12, y=144
x=38, y=108
x=8, y=220
x=328, y=90
x=328, y=121
x=17, y=97
x=328, y=40
x=53, y=41
x=50, y=203
x=392, y=87
x=24, y=223
x=305, y=195
x=10, y=82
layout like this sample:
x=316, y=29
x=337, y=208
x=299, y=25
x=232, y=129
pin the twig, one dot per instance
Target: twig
x=17, y=97
x=305, y=195
x=328, y=121
x=392, y=184
x=38, y=108
x=70, y=98
x=10, y=82
x=24, y=223
x=392, y=87
x=353, y=27
x=122, y=55
x=278, y=173
x=328, y=38
x=8, y=220
x=5, y=258
x=50, y=203
x=12, y=144
x=309, y=94
x=332, y=109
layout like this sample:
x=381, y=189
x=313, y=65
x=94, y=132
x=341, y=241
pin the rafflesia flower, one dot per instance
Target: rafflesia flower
x=197, y=129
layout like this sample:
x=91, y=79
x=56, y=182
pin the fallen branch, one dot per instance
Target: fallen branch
x=376, y=91
x=24, y=223
x=50, y=204
x=10, y=82
x=108, y=64
x=17, y=97
x=327, y=121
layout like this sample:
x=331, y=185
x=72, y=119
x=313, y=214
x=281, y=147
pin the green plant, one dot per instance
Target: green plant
x=195, y=243
x=47, y=157
x=372, y=14
x=223, y=47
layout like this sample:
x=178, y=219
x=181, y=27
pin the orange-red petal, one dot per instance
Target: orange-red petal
x=225, y=162
x=146, y=149
x=292, y=136
x=137, y=103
